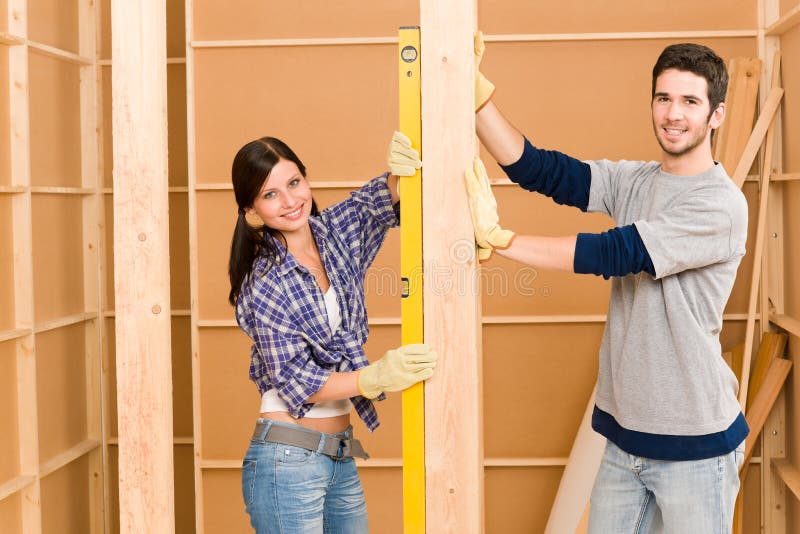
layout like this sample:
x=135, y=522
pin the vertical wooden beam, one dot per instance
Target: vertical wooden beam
x=22, y=222
x=453, y=430
x=92, y=204
x=141, y=264
x=197, y=427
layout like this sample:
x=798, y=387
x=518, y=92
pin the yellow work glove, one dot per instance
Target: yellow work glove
x=483, y=87
x=402, y=159
x=483, y=208
x=397, y=370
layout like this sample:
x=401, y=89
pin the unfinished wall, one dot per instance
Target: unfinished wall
x=51, y=466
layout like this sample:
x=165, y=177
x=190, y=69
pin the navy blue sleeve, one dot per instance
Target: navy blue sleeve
x=562, y=178
x=618, y=252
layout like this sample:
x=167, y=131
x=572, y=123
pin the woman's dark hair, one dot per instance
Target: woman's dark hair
x=250, y=170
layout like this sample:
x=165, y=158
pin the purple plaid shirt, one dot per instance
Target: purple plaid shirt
x=282, y=309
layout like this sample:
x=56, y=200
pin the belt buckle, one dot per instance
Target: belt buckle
x=344, y=445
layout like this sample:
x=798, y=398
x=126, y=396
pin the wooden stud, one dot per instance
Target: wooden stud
x=141, y=260
x=453, y=431
x=194, y=278
x=788, y=323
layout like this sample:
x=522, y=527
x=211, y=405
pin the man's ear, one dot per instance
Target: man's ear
x=718, y=116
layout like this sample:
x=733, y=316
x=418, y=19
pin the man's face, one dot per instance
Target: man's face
x=681, y=112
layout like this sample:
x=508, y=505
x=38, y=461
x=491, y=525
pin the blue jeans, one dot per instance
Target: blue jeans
x=635, y=495
x=290, y=490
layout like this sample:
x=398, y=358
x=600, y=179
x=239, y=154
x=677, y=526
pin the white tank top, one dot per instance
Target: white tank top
x=271, y=401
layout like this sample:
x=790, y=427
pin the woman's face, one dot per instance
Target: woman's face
x=284, y=202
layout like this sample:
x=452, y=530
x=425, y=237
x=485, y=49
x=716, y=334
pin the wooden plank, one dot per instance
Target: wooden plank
x=453, y=431
x=576, y=483
x=740, y=101
x=772, y=346
x=762, y=404
x=61, y=322
x=789, y=474
x=788, y=323
x=68, y=456
x=141, y=260
x=15, y=333
x=785, y=23
x=194, y=277
x=785, y=177
x=14, y=485
x=57, y=53
x=757, y=135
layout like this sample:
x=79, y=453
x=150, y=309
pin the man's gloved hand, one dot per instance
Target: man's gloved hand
x=483, y=208
x=483, y=87
x=397, y=370
x=402, y=159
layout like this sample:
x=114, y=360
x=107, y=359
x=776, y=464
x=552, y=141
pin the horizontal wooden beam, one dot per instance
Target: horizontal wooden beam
x=177, y=440
x=58, y=53
x=14, y=485
x=16, y=333
x=785, y=177
x=785, y=23
x=503, y=38
x=788, y=473
x=56, y=190
x=61, y=322
x=790, y=324
x=10, y=39
x=70, y=455
x=13, y=189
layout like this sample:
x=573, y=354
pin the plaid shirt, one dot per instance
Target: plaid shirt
x=282, y=309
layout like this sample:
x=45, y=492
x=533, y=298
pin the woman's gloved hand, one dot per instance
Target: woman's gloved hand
x=397, y=370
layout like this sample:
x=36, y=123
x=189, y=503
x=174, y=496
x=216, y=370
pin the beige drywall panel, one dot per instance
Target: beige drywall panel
x=228, y=399
x=5, y=127
x=253, y=19
x=515, y=498
x=222, y=501
x=383, y=490
x=61, y=389
x=184, y=489
x=181, y=378
x=65, y=499
x=752, y=501
x=538, y=379
x=10, y=514
x=6, y=264
x=9, y=445
x=176, y=122
x=55, y=122
x=3, y=15
x=54, y=22
x=57, y=256
x=577, y=16
x=336, y=106
x=737, y=303
x=179, y=251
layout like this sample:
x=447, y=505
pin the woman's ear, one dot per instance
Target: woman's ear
x=252, y=218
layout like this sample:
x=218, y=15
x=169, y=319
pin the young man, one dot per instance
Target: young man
x=666, y=401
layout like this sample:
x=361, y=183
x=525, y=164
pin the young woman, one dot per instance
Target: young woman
x=297, y=278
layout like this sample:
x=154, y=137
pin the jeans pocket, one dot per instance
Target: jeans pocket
x=248, y=481
x=290, y=455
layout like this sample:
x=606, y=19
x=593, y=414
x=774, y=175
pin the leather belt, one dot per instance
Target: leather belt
x=337, y=447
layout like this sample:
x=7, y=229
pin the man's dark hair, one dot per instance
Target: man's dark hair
x=697, y=59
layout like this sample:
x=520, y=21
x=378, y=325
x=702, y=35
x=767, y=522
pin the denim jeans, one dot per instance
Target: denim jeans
x=290, y=490
x=635, y=495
